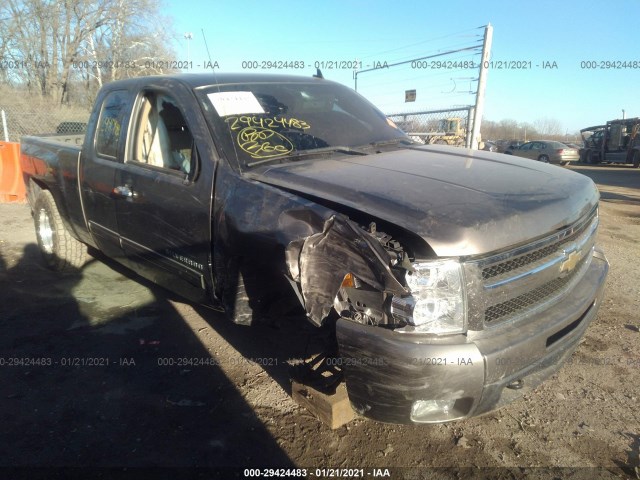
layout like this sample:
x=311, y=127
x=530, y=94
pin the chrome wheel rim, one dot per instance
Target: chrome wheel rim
x=45, y=232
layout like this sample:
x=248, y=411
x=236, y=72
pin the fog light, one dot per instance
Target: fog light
x=425, y=411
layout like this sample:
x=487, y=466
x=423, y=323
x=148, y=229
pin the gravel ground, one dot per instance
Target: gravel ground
x=91, y=376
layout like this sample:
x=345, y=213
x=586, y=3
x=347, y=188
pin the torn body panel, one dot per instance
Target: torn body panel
x=321, y=261
x=252, y=224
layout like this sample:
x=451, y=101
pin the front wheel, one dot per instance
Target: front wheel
x=61, y=252
x=543, y=158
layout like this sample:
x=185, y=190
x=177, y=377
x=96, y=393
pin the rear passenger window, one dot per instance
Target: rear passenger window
x=161, y=135
x=110, y=124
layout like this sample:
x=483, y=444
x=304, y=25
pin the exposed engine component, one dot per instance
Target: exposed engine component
x=361, y=302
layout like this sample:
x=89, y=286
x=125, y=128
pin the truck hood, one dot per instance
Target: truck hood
x=461, y=202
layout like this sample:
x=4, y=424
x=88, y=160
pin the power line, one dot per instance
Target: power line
x=355, y=74
x=422, y=42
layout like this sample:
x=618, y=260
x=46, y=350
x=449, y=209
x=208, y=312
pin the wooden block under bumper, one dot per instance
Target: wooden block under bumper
x=333, y=410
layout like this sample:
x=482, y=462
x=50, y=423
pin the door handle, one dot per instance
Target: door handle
x=124, y=191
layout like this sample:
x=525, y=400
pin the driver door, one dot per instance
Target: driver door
x=164, y=195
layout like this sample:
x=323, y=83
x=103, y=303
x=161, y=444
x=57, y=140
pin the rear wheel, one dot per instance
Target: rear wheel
x=564, y=164
x=636, y=159
x=61, y=252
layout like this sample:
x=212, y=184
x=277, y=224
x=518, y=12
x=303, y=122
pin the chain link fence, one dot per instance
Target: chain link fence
x=22, y=114
x=449, y=127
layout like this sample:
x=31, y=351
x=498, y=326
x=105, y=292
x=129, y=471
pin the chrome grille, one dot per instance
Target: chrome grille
x=530, y=299
x=523, y=260
x=513, y=284
x=507, y=266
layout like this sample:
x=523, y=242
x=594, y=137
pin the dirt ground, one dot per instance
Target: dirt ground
x=91, y=376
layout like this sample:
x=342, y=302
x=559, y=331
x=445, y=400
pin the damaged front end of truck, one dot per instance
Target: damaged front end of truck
x=349, y=269
x=454, y=280
x=385, y=304
x=368, y=277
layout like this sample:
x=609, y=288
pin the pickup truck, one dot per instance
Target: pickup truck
x=454, y=280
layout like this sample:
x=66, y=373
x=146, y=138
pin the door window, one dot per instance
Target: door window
x=161, y=136
x=110, y=124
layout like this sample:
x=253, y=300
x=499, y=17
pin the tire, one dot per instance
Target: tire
x=543, y=158
x=60, y=251
x=636, y=159
x=564, y=164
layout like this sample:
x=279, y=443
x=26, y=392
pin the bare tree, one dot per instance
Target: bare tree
x=508, y=129
x=47, y=39
x=549, y=127
x=73, y=45
x=130, y=44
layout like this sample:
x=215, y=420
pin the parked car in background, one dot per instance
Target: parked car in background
x=490, y=146
x=573, y=145
x=504, y=145
x=547, y=151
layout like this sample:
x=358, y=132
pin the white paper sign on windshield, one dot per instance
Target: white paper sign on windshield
x=235, y=103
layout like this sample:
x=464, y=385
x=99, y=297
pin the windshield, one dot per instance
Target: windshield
x=588, y=135
x=264, y=121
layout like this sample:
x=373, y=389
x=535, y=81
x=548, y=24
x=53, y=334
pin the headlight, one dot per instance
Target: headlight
x=437, y=301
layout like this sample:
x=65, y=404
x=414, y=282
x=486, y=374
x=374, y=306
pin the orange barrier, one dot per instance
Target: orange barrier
x=11, y=182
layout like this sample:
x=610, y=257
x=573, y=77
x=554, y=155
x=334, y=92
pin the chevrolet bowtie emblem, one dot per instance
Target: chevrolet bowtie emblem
x=571, y=261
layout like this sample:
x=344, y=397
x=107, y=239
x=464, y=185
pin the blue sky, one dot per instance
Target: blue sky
x=533, y=33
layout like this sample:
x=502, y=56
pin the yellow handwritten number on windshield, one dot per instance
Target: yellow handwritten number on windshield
x=236, y=123
x=263, y=142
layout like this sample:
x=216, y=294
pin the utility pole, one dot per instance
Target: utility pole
x=482, y=82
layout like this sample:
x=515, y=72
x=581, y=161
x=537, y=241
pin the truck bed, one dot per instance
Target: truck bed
x=64, y=138
x=51, y=162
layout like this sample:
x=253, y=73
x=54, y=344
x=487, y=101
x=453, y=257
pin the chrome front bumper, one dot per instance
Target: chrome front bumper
x=409, y=378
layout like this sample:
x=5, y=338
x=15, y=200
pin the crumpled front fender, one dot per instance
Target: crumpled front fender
x=319, y=263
